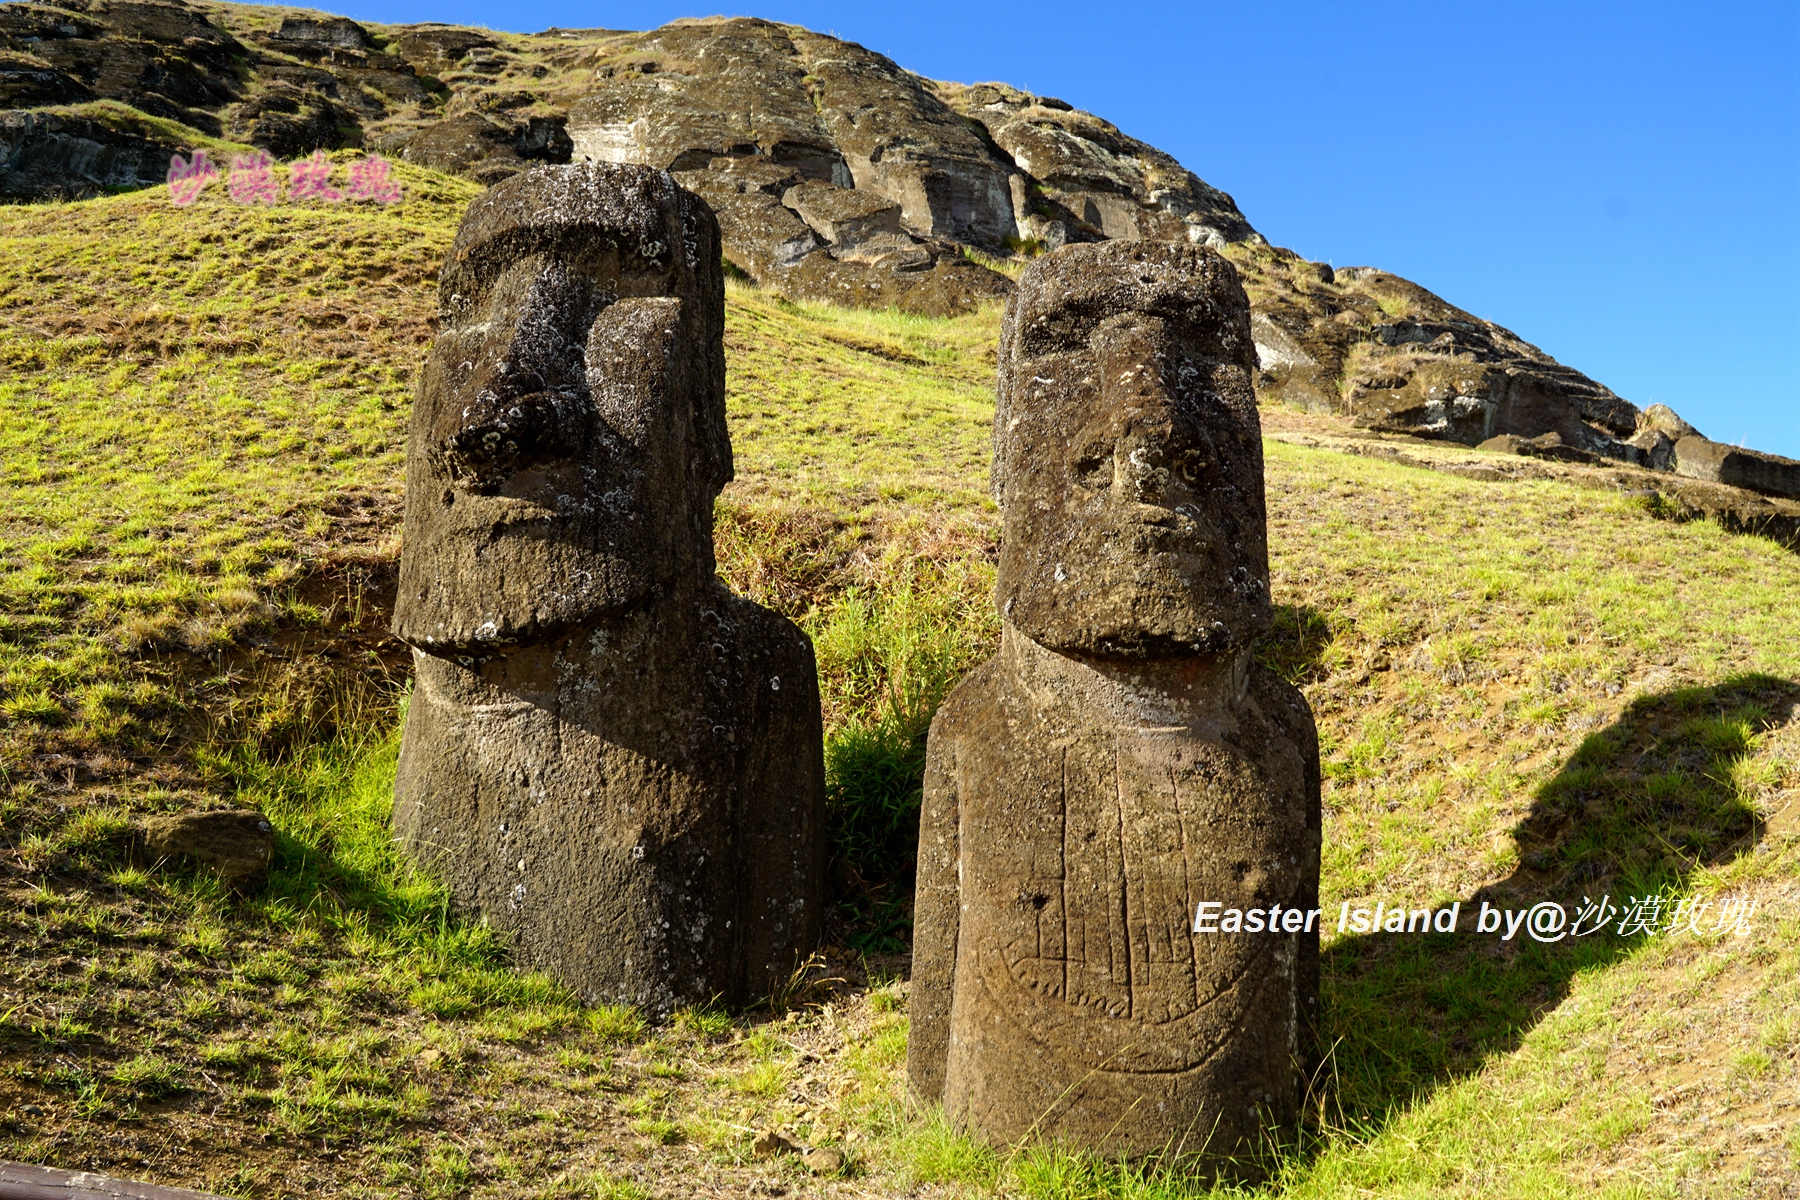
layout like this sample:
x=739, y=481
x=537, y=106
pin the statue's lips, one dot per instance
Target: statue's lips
x=1163, y=530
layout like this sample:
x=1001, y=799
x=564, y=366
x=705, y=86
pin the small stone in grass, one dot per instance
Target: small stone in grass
x=824, y=1161
x=769, y=1144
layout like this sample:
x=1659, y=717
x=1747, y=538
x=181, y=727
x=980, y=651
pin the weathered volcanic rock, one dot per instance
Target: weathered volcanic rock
x=290, y=122
x=846, y=218
x=1402, y=360
x=44, y=156
x=323, y=35
x=778, y=227
x=839, y=113
x=831, y=113
x=1752, y=470
x=437, y=49
x=1123, y=758
x=468, y=145
x=483, y=149
x=1083, y=179
x=238, y=843
x=140, y=53
x=28, y=84
x=608, y=755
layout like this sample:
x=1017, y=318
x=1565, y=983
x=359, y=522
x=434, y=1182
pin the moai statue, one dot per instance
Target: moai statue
x=608, y=755
x=1123, y=758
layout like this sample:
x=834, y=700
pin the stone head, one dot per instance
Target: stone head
x=1128, y=455
x=569, y=436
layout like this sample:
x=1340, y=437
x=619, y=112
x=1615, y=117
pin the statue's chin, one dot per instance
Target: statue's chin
x=1128, y=620
x=466, y=622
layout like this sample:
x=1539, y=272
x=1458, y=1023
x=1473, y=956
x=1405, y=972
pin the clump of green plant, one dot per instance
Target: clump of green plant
x=893, y=654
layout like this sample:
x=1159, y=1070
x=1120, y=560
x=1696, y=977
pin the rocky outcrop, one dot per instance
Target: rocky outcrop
x=861, y=186
x=812, y=240
x=164, y=59
x=1078, y=178
x=1734, y=466
x=437, y=49
x=48, y=156
x=900, y=173
x=481, y=148
x=28, y=84
x=1665, y=493
x=1402, y=360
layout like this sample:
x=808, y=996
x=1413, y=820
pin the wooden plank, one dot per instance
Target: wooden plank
x=22, y=1181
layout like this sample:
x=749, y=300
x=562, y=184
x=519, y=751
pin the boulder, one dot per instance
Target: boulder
x=1662, y=419
x=843, y=216
x=1657, y=448
x=238, y=843
x=1123, y=759
x=1546, y=446
x=608, y=756
x=483, y=149
x=291, y=122
x=433, y=49
x=470, y=145
x=323, y=35
x=1715, y=462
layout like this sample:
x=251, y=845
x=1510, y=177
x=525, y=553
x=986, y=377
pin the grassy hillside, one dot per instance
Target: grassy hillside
x=1525, y=691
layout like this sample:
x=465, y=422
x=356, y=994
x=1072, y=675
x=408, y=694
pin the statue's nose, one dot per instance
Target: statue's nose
x=523, y=404
x=1141, y=406
x=510, y=424
x=1144, y=407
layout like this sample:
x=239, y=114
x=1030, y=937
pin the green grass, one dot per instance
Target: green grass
x=1522, y=690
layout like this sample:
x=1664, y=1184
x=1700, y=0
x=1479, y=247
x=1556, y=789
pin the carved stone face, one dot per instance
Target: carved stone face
x=1128, y=455
x=569, y=434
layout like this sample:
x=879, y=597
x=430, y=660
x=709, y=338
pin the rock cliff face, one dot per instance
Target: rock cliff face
x=836, y=175
x=1400, y=359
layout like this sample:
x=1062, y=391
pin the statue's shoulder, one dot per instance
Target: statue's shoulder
x=972, y=703
x=764, y=635
x=1283, y=705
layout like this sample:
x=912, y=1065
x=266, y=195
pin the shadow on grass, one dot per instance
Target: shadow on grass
x=874, y=780
x=336, y=866
x=1638, y=807
x=1296, y=644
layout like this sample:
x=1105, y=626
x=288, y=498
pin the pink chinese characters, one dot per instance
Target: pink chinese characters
x=188, y=179
x=253, y=179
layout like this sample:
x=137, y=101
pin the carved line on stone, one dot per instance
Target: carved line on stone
x=1063, y=801
x=1125, y=877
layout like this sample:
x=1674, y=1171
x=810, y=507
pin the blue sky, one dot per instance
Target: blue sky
x=1618, y=184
